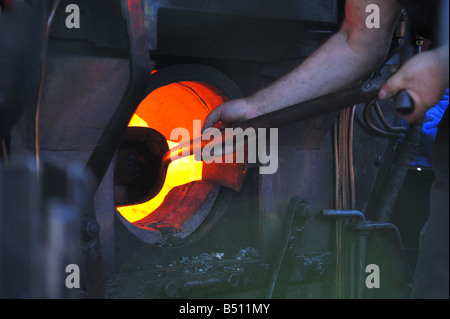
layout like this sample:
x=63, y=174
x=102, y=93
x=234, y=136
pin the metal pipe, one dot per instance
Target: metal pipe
x=343, y=214
x=360, y=270
x=341, y=257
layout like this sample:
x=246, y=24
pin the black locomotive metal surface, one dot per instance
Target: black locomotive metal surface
x=176, y=28
x=279, y=237
x=21, y=64
x=40, y=219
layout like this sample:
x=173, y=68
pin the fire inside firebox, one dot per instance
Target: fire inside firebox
x=180, y=172
x=171, y=106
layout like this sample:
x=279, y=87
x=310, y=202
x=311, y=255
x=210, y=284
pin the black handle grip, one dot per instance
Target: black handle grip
x=404, y=104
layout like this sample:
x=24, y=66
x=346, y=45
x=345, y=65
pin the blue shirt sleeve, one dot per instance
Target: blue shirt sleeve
x=429, y=130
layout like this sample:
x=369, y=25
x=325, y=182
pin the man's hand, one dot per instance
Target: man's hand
x=424, y=77
x=230, y=112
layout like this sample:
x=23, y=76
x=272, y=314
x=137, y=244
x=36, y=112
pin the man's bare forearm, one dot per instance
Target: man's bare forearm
x=332, y=67
x=347, y=57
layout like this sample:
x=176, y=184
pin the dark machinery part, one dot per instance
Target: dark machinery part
x=404, y=104
x=402, y=48
x=140, y=68
x=359, y=247
x=412, y=45
x=383, y=201
x=303, y=270
x=22, y=60
x=387, y=129
x=39, y=228
x=108, y=144
x=383, y=205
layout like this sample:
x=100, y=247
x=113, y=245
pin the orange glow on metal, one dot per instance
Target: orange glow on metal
x=169, y=107
x=179, y=172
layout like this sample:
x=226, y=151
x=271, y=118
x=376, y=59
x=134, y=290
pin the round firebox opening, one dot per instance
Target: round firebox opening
x=179, y=96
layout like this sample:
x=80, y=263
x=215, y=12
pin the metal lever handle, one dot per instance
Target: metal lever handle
x=404, y=104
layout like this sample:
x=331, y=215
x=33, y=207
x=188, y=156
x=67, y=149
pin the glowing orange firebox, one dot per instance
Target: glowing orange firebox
x=172, y=106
